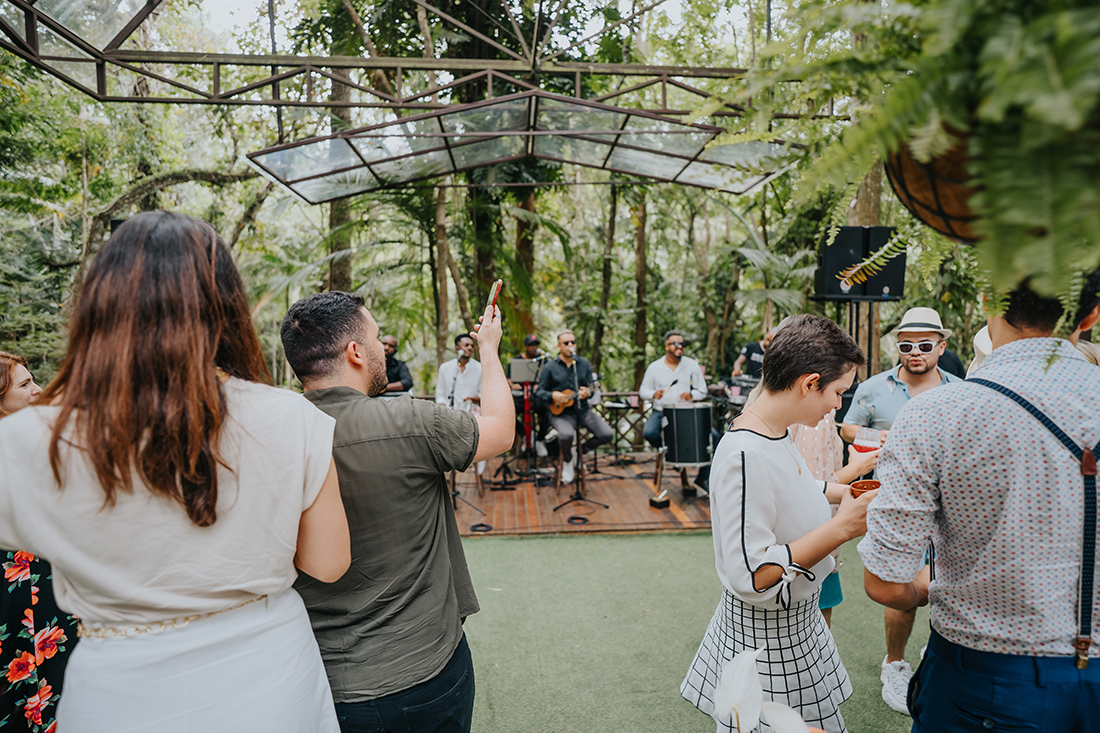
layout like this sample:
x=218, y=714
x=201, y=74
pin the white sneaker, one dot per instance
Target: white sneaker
x=895, y=684
x=567, y=472
x=540, y=449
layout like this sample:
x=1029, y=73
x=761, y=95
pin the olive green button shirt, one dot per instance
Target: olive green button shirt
x=395, y=619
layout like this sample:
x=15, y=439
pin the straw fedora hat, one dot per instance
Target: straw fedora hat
x=923, y=319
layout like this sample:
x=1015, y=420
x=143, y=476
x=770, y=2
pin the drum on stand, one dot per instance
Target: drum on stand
x=686, y=434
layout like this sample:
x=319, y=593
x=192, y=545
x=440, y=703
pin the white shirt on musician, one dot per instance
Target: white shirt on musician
x=461, y=383
x=688, y=377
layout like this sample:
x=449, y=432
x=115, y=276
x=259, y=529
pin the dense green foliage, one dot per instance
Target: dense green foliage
x=719, y=267
x=1017, y=80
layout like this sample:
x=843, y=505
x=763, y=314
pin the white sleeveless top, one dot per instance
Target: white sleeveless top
x=142, y=560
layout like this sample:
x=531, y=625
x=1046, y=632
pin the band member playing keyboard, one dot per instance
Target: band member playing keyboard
x=565, y=384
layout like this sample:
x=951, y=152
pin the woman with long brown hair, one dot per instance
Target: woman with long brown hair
x=175, y=493
x=37, y=635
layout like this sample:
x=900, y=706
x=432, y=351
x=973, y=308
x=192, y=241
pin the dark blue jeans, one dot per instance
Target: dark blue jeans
x=443, y=704
x=960, y=689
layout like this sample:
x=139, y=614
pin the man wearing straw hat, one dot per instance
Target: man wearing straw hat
x=922, y=340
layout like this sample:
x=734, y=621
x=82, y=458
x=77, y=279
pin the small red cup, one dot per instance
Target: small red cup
x=862, y=487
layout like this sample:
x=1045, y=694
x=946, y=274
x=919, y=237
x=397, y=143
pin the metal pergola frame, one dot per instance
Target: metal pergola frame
x=100, y=67
x=311, y=74
x=357, y=166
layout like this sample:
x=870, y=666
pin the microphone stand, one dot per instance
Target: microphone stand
x=455, y=495
x=578, y=481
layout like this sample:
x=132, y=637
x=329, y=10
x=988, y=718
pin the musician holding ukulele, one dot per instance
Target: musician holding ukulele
x=565, y=385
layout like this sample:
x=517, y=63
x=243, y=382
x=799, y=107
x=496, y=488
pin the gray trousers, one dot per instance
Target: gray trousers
x=564, y=424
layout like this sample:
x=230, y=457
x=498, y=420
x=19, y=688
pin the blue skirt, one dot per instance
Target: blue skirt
x=831, y=593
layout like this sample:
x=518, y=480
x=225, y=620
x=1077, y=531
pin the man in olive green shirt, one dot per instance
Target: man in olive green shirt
x=390, y=630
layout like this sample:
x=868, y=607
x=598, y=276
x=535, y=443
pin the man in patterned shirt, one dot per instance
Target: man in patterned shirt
x=1001, y=498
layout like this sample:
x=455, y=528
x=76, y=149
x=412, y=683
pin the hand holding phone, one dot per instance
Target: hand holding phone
x=494, y=291
x=489, y=322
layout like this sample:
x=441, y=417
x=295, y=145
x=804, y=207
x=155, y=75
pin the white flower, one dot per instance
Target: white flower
x=739, y=694
x=782, y=719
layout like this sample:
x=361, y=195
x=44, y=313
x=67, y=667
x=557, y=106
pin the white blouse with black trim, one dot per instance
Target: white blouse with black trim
x=759, y=504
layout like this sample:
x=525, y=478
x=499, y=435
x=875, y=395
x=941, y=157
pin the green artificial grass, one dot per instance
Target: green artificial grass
x=587, y=633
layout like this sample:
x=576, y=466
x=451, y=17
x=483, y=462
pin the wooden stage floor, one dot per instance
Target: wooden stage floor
x=626, y=490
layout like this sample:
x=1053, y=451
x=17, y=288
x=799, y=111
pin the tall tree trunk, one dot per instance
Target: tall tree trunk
x=463, y=299
x=639, y=212
x=525, y=257
x=706, y=299
x=339, y=212
x=483, y=224
x=605, y=287
x=867, y=212
x=442, y=258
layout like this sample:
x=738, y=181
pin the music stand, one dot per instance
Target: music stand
x=526, y=372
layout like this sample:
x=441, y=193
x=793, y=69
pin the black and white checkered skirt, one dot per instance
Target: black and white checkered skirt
x=801, y=667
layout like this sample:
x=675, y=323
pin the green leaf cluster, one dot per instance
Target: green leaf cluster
x=1017, y=80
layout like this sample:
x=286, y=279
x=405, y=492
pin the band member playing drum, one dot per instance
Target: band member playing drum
x=672, y=379
x=565, y=384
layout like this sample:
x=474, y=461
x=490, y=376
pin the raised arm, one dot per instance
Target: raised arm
x=497, y=422
x=324, y=543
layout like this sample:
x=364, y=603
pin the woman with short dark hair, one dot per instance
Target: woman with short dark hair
x=175, y=493
x=773, y=534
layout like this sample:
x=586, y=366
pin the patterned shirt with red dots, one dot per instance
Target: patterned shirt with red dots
x=1000, y=498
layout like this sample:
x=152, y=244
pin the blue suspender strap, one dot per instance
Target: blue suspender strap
x=1087, y=459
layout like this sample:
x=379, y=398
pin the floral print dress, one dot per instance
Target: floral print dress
x=36, y=638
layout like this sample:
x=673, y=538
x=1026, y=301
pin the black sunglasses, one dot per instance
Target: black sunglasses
x=925, y=347
x=568, y=342
x=674, y=344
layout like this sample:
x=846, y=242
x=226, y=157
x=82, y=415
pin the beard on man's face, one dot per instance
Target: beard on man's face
x=379, y=381
x=923, y=366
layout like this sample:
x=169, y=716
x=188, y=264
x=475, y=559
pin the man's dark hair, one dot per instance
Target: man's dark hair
x=459, y=337
x=1026, y=310
x=670, y=334
x=809, y=345
x=316, y=330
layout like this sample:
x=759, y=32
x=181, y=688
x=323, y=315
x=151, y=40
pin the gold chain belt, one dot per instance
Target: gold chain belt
x=107, y=632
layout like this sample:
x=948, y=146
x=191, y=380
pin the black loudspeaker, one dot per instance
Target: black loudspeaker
x=851, y=246
x=889, y=284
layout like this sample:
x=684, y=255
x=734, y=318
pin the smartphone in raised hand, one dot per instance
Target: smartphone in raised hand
x=494, y=291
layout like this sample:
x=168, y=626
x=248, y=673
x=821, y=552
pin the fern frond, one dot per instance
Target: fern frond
x=873, y=265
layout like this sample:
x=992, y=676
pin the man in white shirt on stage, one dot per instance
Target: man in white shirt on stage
x=459, y=382
x=672, y=378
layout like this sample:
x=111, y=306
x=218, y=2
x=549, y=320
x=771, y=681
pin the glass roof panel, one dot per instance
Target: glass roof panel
x=754, y=155
x=96, y=21
x=571, y=150
x=643, y=163
x=402, y=138
x=424, y=165
x=80, y=69
x=488, y=152
x=556, y=115
x=309, y=160
x=338, y=185
x=721, y=177
x=664, y=135
x=510, y=115
x=15, y=18
x=687, y=145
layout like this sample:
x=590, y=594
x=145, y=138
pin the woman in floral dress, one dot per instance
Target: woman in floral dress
x=36, y=637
